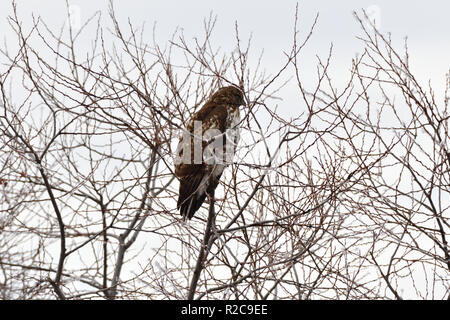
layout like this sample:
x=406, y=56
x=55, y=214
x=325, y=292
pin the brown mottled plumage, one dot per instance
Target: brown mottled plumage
x=199, y=178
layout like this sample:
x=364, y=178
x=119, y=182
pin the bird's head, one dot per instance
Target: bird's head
x=230, y=95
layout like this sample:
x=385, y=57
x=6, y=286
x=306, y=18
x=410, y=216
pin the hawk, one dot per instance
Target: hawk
x=206, y=147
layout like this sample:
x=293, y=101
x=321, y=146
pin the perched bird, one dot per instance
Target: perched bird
x=207, y=145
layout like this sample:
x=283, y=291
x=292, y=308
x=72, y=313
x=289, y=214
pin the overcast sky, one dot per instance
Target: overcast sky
x=425, y=23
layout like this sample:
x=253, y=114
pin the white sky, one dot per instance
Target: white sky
x=425, y=23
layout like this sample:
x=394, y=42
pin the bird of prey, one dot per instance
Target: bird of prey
x=206, y=146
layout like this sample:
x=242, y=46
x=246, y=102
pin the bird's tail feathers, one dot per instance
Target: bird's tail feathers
x=190, y=200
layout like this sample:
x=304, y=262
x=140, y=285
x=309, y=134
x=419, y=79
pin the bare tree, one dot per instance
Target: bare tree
x=345, y=198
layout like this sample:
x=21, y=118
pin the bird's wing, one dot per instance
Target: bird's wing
x=197, y=176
